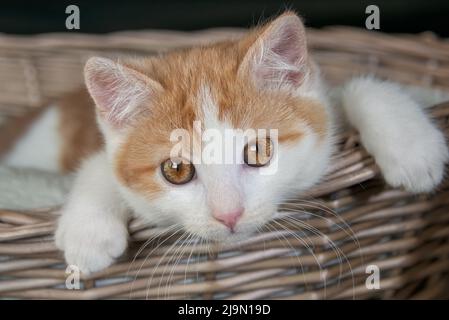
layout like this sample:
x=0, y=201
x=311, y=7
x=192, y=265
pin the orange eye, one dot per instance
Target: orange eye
x=177, y=171
x=259, y=153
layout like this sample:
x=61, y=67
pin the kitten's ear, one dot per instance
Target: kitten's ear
x=278, y=56
x=119, y=92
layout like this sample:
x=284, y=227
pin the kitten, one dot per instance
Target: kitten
x=266, y=80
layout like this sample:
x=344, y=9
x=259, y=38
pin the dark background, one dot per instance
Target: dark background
x=404, y=16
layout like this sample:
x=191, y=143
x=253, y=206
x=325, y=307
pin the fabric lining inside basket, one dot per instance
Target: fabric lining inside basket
x=27, y=189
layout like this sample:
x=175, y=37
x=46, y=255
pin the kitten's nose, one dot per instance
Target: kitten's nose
x=229, y=219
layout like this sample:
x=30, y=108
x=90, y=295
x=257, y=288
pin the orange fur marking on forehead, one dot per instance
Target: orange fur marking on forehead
x=182, y=74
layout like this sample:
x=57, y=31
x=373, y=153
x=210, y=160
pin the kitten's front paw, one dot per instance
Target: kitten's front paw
x=93, y=245
x=415, y=164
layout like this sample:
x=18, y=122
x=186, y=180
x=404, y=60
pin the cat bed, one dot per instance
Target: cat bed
x=356, y=237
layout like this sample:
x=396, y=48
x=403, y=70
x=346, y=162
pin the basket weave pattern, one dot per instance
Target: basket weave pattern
x=349, y=221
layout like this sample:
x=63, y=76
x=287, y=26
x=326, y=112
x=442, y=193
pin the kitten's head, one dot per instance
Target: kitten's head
x=212, y=138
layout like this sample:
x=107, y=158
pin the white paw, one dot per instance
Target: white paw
x=92, y=245
x=415, y=164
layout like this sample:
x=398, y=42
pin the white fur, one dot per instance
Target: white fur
x=39, y=147
x=92, y=230
x=405, y=143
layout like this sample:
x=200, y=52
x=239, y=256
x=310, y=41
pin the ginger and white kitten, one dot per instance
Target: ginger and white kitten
x=265, y=80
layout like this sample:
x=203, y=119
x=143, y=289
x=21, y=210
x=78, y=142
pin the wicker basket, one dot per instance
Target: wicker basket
x=353, y=219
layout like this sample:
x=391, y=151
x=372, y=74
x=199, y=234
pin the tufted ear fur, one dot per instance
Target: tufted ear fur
x=278, y=57
x=120, y=92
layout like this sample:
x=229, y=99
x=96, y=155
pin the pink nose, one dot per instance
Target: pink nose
x=229, y=219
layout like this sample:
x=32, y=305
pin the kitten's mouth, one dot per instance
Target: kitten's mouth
x=222, y=235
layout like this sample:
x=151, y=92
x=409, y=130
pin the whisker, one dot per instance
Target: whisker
x=174, y=255
x=297, y=237
x=146, y=243
x=150, y=280
x=178, y=254
x=322, y=207
x=179, y=228
x=340, y=254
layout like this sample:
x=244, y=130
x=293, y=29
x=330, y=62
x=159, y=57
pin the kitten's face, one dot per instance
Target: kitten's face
x=260, y=89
